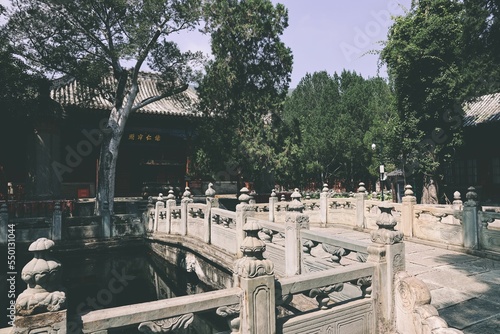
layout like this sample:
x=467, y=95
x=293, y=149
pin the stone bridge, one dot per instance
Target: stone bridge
x=288, y=276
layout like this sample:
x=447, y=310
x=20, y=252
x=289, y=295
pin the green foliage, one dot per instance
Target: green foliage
x=18, y=89
x=423, y=54
x=339, y=117
x=244, y=87
x=481, y=49
x=85, y=39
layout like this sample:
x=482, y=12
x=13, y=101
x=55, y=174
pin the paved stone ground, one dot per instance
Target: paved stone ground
x=464, y=288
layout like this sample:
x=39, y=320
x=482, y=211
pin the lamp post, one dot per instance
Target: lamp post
x=381, y=169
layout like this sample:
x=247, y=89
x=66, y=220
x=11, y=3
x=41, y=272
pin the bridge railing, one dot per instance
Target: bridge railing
x=380, y=301
x=223, y=230
x=151, y=315
x=461, y=225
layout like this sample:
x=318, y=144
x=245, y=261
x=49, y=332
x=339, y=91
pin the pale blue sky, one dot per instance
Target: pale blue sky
x=333, y=35
x=329, y=35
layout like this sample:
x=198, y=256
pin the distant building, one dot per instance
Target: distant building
x=477, y=163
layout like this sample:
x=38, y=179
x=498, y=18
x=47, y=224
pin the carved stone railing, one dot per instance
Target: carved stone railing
x=223, y=218
x=196, y=213
x=342, y=211
x=327, y=314
x=319, y=302
x=223, y=230
x=489, y=230
x=437, y=223
x=39, y=209
x=150, y=317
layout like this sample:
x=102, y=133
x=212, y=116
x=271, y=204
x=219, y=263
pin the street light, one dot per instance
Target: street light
x=381, y=169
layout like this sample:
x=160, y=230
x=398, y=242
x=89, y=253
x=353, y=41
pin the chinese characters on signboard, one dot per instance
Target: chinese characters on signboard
x=145, y=137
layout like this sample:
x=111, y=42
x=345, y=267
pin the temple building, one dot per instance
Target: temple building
x=477, y=162
x=56, y=155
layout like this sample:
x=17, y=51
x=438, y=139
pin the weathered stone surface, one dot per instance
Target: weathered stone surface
x=468, y=313
x=46, y=323
x=491, y=325
x=461, y=283
x=42, y=275
x=443, y=297
x=355, y=318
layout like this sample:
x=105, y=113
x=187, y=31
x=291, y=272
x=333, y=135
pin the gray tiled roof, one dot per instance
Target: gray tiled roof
x=485, y=109
x=68, y=92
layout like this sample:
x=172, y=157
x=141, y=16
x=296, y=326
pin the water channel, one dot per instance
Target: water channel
x=104, y=279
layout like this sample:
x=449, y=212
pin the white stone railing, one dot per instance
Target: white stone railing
x=180, y=311
x=259, y=287
x=437, y=223
x=320, y=285
x=489, y=229
x=223, y=230
x=460, y=225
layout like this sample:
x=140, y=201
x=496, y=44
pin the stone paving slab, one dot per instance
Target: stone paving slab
x=416, y=269
x=442, y=297
x=461, y=283
x=488, y=326
x=437, y=258
x=491, y=277
x=471, y=312
x=412, y=247
x=474, y=267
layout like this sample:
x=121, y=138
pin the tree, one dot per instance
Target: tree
x=481, y=50
x=89, y=40
x=18, y=89
x=244, y=88
x=424, y=58
x=339, y=117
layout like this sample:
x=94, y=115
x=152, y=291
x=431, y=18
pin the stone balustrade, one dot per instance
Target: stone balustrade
x=460, y=225
x=260, y=288
x=464, y=225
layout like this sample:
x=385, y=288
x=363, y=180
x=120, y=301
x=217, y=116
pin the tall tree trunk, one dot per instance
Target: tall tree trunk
x=108, y=157
x=430, y=190
x=107, y=172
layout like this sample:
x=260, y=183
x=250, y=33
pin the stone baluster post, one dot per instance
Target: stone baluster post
x=360, y=207
x=212, y=202
x=186, y=199
x=56, y=222
x=252, y=195
x=457, y=207
x=388, y=254
x=243, y=210
x=323, y=206
x=295, y=220
x=409, y=202
x=106, y=221
x=150, y=215
x=159, y=206
x=41, y=308
x=4, y=222
x=273, y=199
x=255, y=276
x=171, y=203
x=470, y=220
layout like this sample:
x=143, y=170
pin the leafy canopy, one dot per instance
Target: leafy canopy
x=244, y=86
x=87, y=39
x=339, y=117
x=424, y=59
